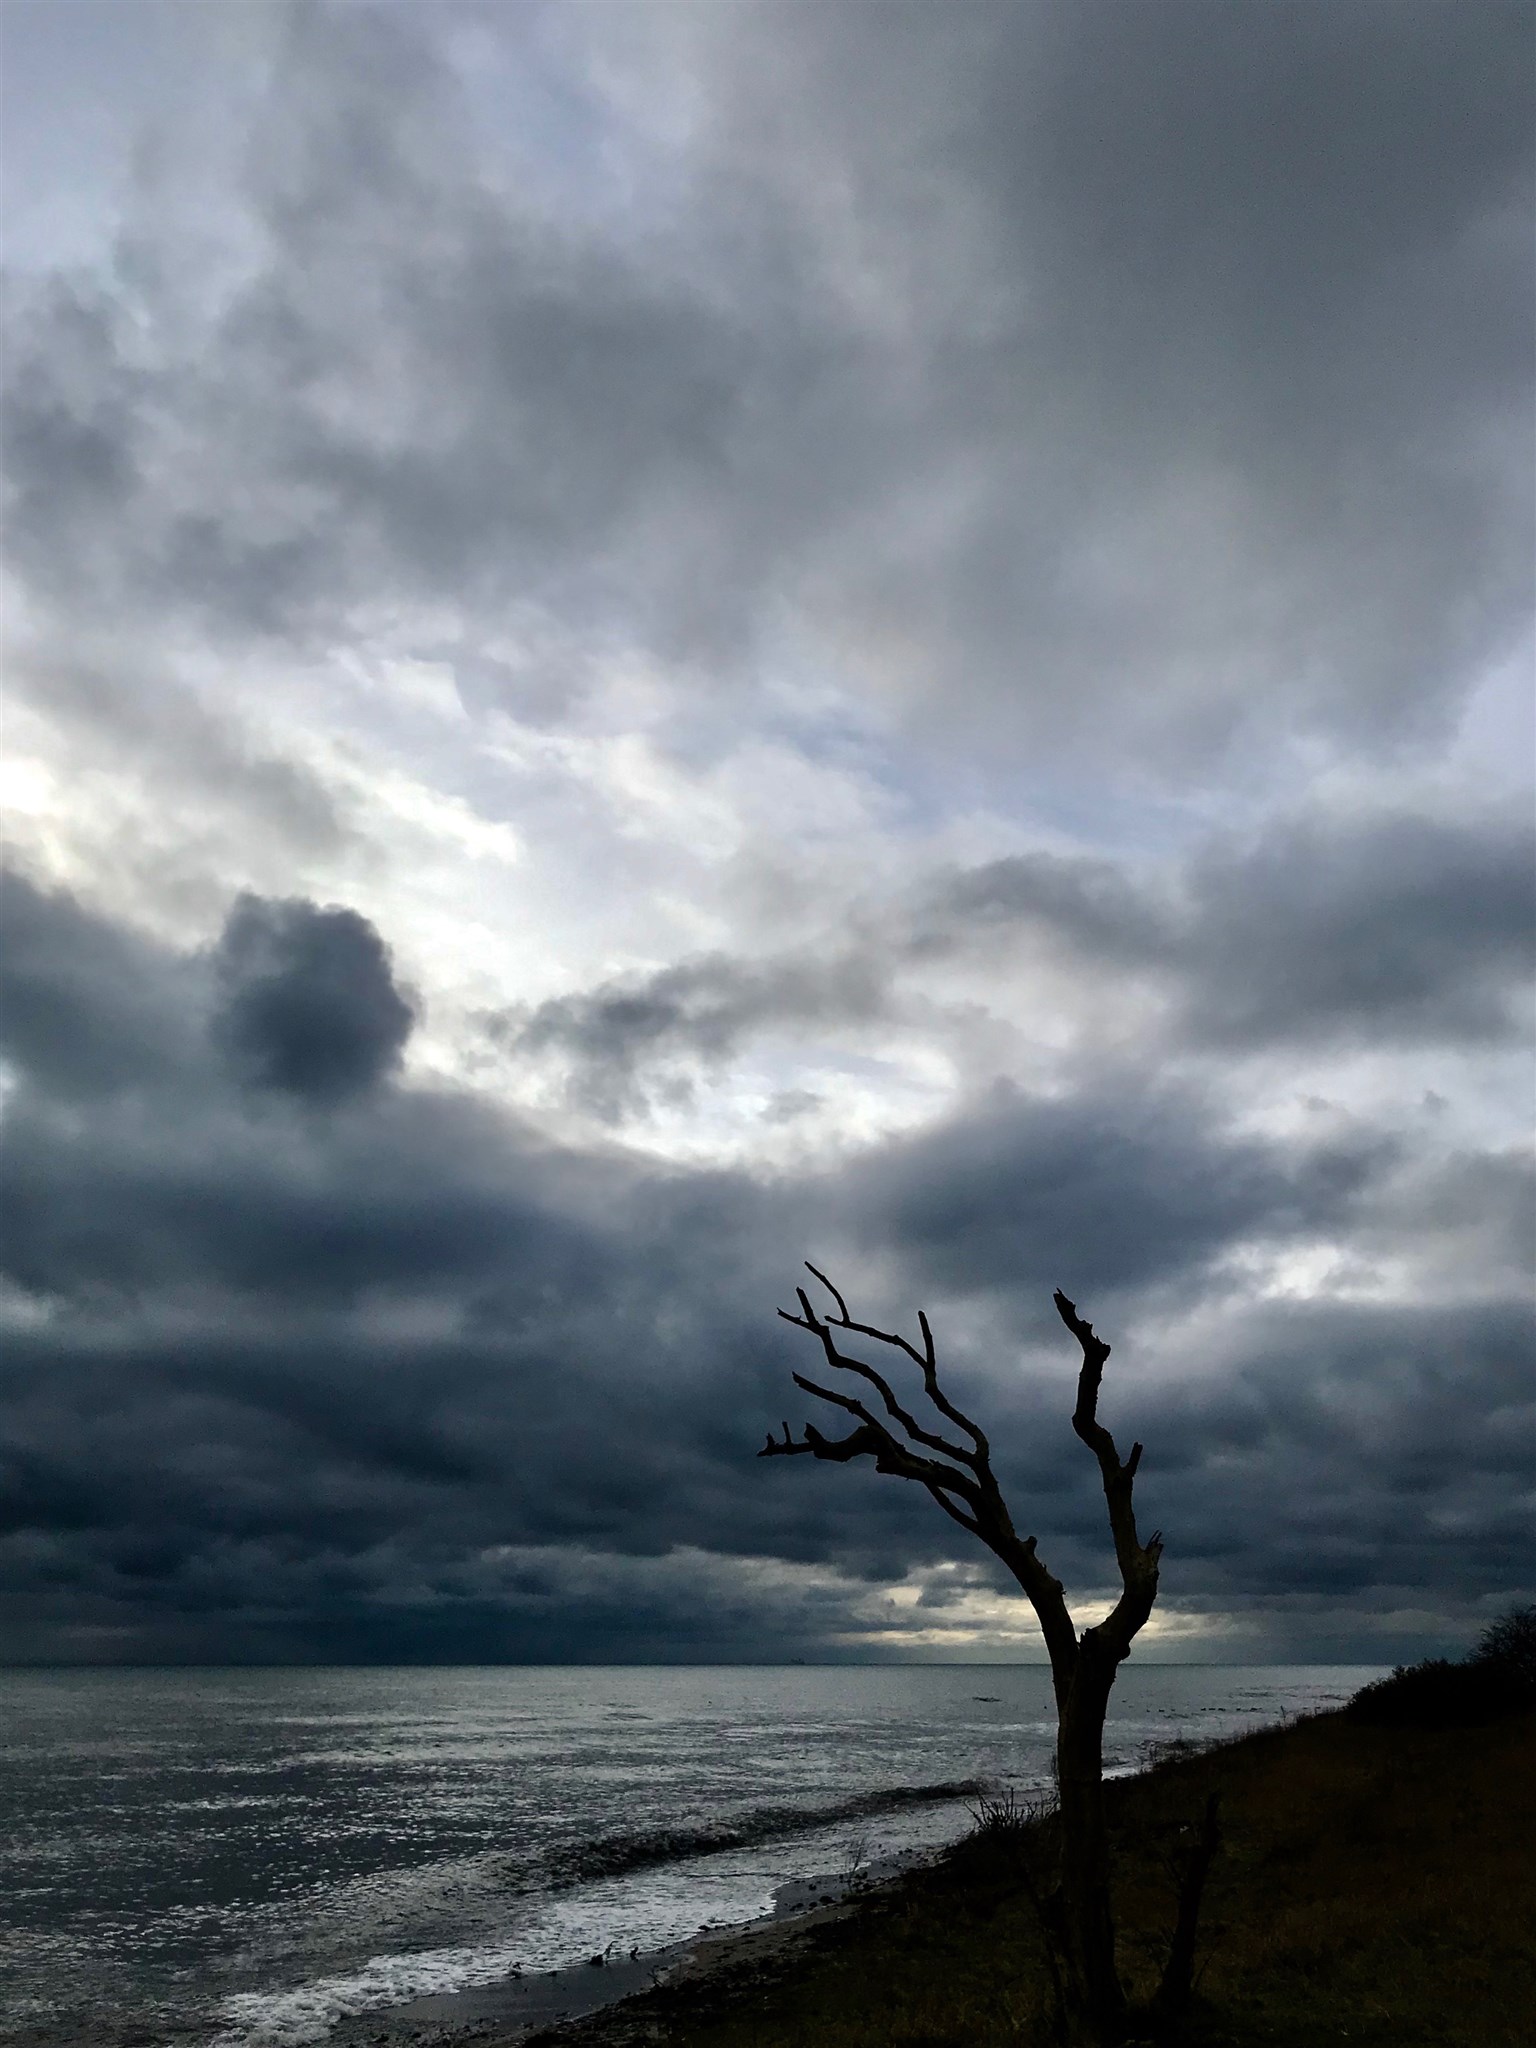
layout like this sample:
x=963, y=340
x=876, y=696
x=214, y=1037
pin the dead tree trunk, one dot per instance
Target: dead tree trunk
x=958, y=1474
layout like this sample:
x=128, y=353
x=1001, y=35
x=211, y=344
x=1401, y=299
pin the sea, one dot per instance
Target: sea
x=253, y=1858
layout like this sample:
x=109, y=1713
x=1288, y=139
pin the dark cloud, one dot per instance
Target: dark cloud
x=1089, y=904
x=1254, y=257
x=1082, y=400
x=1135, y=1189
x=69, y=430
x=1373, y=1443
x=1388, y=929
x=84, y=1008
x=293, y=1385
x=1374, y=928
x=698, y=1012
x=307, y=1004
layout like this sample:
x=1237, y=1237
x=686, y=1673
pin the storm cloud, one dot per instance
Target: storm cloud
x=303, y=1374
x=307, y=1003
x=646, y=642
x=1365, y=927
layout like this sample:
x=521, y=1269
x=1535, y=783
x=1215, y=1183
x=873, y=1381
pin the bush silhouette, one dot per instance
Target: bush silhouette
x=1508, y=1646
x=1499, y=1678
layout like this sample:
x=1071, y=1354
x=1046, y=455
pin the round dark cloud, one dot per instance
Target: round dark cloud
x=308, y=1004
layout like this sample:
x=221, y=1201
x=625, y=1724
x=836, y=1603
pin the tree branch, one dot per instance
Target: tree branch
x=955, y=1514
x=814, y=1444
x=1177, y=1985
x=809, y=1320
x=924, y=1359
x=1137, y=1561
x=965, y=1487
x=889, y=1455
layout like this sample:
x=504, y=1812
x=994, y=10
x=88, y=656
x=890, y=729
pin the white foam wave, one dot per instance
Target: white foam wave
x=619, y=1914
x=287, y=2019
x=647, y=1909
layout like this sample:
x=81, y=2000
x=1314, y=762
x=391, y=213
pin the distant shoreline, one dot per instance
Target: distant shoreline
x=740, y=1664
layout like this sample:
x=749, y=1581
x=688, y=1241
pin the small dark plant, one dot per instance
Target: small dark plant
x=1007, y=1816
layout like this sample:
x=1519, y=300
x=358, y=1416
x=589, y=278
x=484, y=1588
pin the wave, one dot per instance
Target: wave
x=613, y=1855
x=307, y=2012
x=560, y=1934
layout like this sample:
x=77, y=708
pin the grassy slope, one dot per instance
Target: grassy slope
x=1376, y=1886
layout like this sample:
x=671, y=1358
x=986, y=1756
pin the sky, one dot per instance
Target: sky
x=646, y=642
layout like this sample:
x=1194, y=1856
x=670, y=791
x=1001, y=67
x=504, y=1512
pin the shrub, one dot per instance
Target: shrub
x=1508, y=1646
x=1498, y=1679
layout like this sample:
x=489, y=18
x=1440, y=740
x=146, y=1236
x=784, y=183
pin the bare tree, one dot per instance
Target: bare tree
x=958, y=1474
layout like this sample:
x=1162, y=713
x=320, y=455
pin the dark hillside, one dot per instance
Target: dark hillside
x=1376, y=1885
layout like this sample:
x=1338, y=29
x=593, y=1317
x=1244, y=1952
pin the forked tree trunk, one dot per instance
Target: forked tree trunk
x=960, y=1479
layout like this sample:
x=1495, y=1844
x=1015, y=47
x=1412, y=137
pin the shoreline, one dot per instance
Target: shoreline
x=538, y=2009
x=1374, y=1883
x=535, y=2006
x=404, y=1960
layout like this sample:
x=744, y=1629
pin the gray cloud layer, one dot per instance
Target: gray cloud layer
x=1075, y=457
x=291, y=1362
x=1364, y=928
x=1358, y=931
x=1048, y=366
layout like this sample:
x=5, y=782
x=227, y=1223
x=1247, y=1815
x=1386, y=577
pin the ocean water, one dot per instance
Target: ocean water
x=243, y=1858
